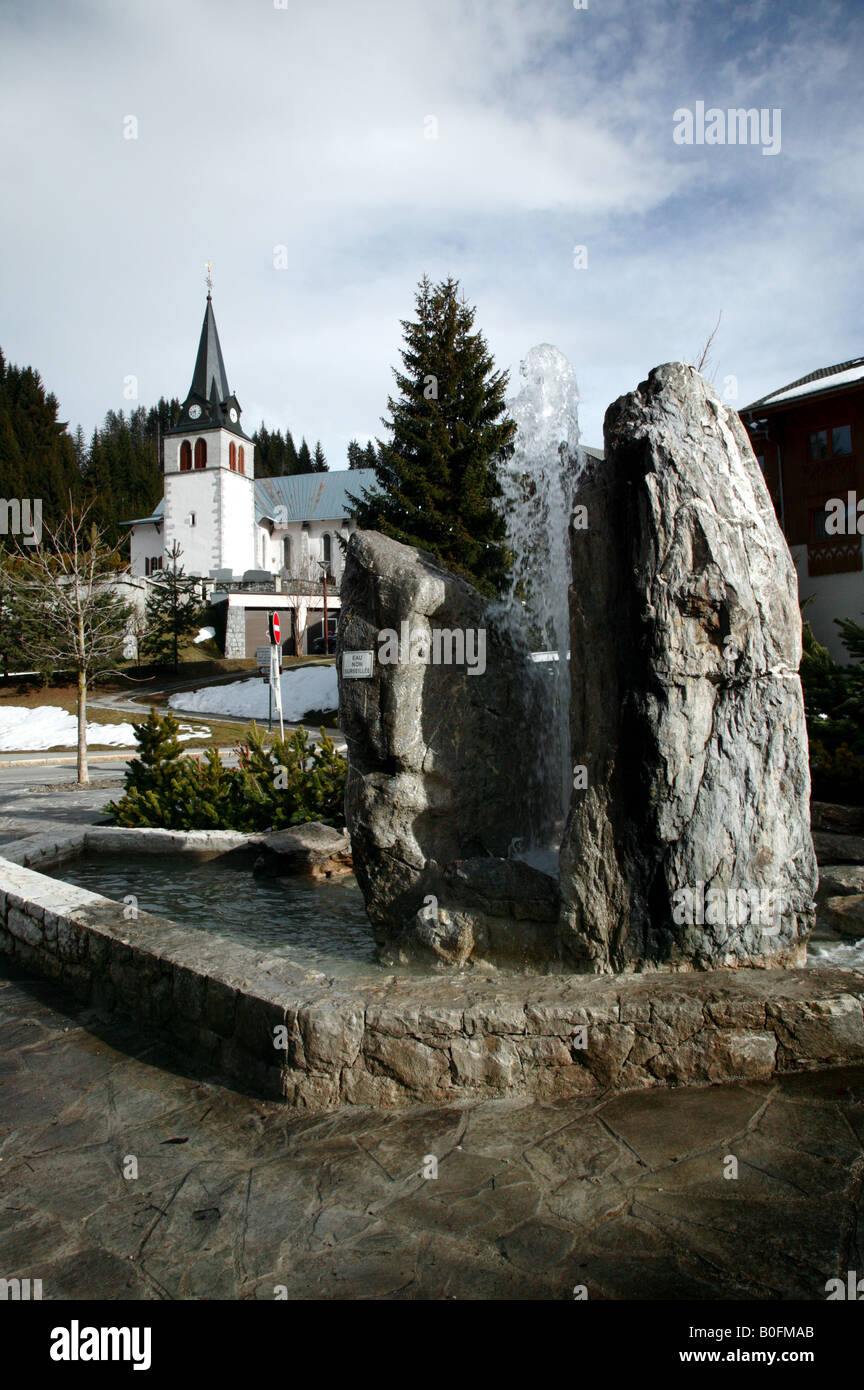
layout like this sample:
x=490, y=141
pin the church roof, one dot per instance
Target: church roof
x=210, y=402
x=210, y=380
x=311, y=496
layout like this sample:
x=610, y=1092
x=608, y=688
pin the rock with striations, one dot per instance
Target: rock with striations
x=690, y=846
x=442, y=763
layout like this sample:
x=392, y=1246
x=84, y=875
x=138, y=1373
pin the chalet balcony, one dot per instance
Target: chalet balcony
x=263, y=582
x=834, y=555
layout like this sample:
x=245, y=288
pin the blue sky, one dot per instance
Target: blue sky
x=304, y=128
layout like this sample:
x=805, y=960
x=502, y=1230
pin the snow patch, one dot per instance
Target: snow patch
x=24, y=730
x=303, y=689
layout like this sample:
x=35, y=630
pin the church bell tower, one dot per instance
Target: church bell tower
x=210, y=468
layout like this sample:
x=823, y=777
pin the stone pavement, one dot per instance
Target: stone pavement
x=237, y=1198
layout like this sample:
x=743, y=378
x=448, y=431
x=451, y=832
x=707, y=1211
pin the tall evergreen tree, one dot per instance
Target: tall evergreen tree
x=319, y=462
x=174, y=610
x=355, y=454
x=304, y=458
x=37, y=453
x=275, y=454
x=437, y=475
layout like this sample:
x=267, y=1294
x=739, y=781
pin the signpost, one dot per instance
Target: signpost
x=356, y=665
x=275, y=671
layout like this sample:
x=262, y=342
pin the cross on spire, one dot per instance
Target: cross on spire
x=208, y=266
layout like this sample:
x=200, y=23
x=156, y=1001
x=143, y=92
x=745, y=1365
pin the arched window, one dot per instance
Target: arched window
x=326, y=543
x=200, y=453
x=240, y=466
x=185, y=456
x=232, y=456
x=286, y=553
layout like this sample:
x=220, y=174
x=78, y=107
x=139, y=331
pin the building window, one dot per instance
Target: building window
x=232, y=456
x=152, y=565
x=240, y=460
x=185, y=456
x=286, y=553
x=831, y=444
x=200, y=453
x=841, y=440
x=326, y=549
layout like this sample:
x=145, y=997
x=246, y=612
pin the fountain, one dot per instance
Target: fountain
x=539, y=482
x=681, y=707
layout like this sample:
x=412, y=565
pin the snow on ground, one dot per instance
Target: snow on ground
x=204, y=634
x=304, y=688
x=24, y=730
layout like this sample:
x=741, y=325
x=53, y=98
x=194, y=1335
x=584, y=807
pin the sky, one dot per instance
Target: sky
x=324, y=156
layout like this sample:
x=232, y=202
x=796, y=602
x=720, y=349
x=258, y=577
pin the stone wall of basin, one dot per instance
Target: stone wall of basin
x=409, y=1040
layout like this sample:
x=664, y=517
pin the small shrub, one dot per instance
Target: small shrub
x=291, y=782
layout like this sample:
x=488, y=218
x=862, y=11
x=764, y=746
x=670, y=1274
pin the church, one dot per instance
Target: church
x=259, y=545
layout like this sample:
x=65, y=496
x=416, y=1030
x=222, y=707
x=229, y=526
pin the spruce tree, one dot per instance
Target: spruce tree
x=174, y=610
x=319, y=462
x=304, y=458
x=355, y=454
x=437, y=476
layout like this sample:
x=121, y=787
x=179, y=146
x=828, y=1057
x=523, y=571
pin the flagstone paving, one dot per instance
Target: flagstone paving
x=623, y=1194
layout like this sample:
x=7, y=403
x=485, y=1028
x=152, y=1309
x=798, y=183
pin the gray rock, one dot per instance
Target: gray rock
x=840, y=880
x=687, y=709
x=440, y=768
x=845, y=914
x=838, y=849
x=825, y=815
x=313, y=849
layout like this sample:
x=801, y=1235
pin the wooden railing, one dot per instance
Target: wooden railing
x=834, y=555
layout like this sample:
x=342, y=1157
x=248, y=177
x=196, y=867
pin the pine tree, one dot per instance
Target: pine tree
x=174, y=610
x=319, y=462
x=13, y=653
x=355, y=454
x=437, y=481
x=304, y=458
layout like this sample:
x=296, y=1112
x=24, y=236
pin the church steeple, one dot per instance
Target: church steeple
x=210, y=380
x=210, y=403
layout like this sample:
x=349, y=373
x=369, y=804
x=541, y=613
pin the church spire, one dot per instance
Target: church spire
x=210, y=402
x=210, y=380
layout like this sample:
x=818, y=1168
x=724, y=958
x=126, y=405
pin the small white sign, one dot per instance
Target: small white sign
x=356, y=664
x=262, y=658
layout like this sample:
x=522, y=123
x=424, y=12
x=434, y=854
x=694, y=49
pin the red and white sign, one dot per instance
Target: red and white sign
x=274, y=629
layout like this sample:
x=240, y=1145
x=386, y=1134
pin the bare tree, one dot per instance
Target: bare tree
x=703, y=361
x=298, y=602
x=73, y=618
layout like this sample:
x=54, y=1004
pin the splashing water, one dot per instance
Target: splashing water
x=539, y=482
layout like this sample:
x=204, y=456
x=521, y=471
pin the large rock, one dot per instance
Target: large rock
x=442, y=764
x=312, y=849
x=686, y=710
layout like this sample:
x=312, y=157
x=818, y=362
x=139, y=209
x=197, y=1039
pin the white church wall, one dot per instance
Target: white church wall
x=145, y=546
x=191, y=518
